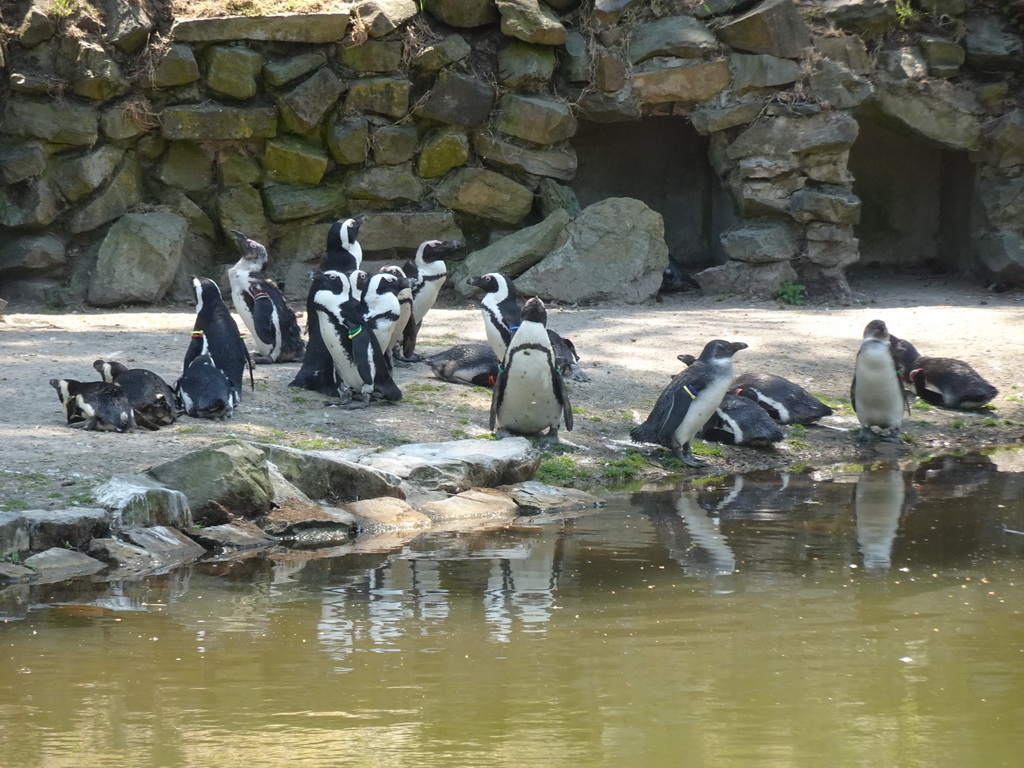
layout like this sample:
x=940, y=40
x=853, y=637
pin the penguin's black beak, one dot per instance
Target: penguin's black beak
x=450, y=245
x=475, y=281
x=736, y=346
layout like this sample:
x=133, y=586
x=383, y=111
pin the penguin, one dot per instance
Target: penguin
x=474, y=364
x=942, y=381
x=876, y=393
x=689, y=401
x=785, y=401
x=151, y=398
x=384, y=309
x=738, y=421
x=500, y=309
x=674, y=279
x=258, y=300
x=356, y=355
x=427, y=271
x=342, y=254
x=529, y=395
x=405, y=305
x=94, y=405
x=205, y=390
x=216, y=334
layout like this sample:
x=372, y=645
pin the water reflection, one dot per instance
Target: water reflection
x=878, y=505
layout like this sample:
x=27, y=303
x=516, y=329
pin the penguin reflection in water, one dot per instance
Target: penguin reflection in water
x=689, y=401
x=529, y=394
x=876, y=393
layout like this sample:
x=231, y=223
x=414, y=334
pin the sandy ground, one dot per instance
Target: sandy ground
x=629, y=353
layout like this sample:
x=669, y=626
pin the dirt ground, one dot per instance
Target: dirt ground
x=629, y=352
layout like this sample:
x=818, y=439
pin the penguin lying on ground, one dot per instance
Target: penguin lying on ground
x=150, y=396
x=689, y=401
x=216, y=334
x=500, y=308
x=357, y=357
x=785, y=401
x=473, y=364
x=261, y=305
x=205, y=390
x=738, y=421
x=342, y=254
x=876, y=393
x=674, y=279
x=529, y=395
x=427, y=273
x=95, y=405
x=942, y=381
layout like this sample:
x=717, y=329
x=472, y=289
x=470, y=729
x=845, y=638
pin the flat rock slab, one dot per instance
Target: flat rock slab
x=472, y=504
x=534, y=497
x=281, y=27
x=58, y=564
x=376, y=516
x=238, y=534
x=168, y=546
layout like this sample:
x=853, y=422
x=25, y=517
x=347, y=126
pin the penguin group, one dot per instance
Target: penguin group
x=360, y=326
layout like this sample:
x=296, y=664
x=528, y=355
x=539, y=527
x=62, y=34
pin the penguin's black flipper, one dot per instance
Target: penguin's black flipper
x=497, y=396
x=409, y=336
x=195, y=349
x=668, y=413
x=142, y=421
x=263, y=317
x=563, y=397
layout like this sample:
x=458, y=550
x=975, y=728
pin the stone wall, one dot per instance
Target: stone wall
x=459, y=120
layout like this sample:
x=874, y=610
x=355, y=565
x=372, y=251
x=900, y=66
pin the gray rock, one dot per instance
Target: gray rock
x=375, y=516
x=237, y=535
x=774, y=27
x=284, y=202
x=707, y=119
x=868, y=19
x=241, y=208
x=31, y=253
x=284, y=27
x=511, y=255
x=835, y=84
x=121, y=122
x=1001, y=202
x=575, y=59
x=167, y=546
x=231, y=71
x=395, y=184
x=11, y=573
x=621, y=106
x=30, y=204
x=21, y=160
x=138, y=500
x=65, y=123
x=833, y=206
x=473, y=504
x=932, y=113
x=97, y=76
x=761, y=241
x=458, y=465
x=326, y=475
x=525, y=65
x=278, y=73
x=681, y=36
x=69, y=528
x=484, y=193
x=1001, y=255
x=458, y=100
x=218, y=122
x=309, y=525
x=827, y=132
x=78, y=176
x=609, y=70
x=944, y=57
x=187, y=166
x=833, y=254
x=291, y=160
x=434, y=57
x=554, y=162
x=1004, y=140
x=552, y=196
x=223, y=480
x=531, y=22
x=383, y=17
x=539, y=498
x=373, y=56
x=177, y=66
x=535, y=118
x=14, y=533
x=138, y=259
x=746, y=279
x=407, y=229
x=992, y=44
x=120, y=554
x=393, y=144
x=761, y=71
x=463, y=13
x=848, y=51
x=905, y=63
x=128, y=26
x=711, y=8
x=388, y=96
x=124, y=191
x=304, y=106
x=36, y=27
x=592, y=262
x=348, y=140
x=444, y=149
x=681, y=80
x=58, y=564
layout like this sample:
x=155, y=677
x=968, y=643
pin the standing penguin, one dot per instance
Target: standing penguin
x=689, y=401
x=405, y=308
x=500, y=309
x=216, y=334
x=342, y=254
x=942, y=381
x=427, y=273
x=150, y=396
x=384, y=309
x=529, y=395
x=95, y=405
x=205, y=390
x=355, y=353
x=261, y=305
x=876, y=393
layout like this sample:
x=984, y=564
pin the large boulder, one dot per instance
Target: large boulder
x=938, y=113
x=31, y=253
x=614, y=250
x=139, y=500
x=327, y=476
x=746, y=279
x=71, y=528
x=138, y=259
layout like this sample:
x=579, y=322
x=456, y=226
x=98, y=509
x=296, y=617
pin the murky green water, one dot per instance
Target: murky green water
x=854, y=620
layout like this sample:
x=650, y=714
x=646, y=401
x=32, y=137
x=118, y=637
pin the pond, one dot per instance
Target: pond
x=840, y=618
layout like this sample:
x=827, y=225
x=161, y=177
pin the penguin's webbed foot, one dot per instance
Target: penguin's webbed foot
x=258, y=359
x=550, y=441
x=357, y=402
x=501, y=433
x=891, y=435
x=685, y=455
x=866, y=435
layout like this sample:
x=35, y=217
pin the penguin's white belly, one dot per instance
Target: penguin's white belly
x=239, y=279
x=701, y=409
x=494, y=339
x=877, y=391
x=343, y=363
x=529, y=404
x=424, y=300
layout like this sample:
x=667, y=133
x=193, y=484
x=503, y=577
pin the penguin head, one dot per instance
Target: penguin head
x=61, y=385
x=250, y=249
x=904, y=352
x=435, y=250
x=206, y=290
x=343, y=233
x=108, y=369
x=534, y=312
x=718, y=349
x=331, y=280
x=386, y=282
x=394, y=269
x=876, y=330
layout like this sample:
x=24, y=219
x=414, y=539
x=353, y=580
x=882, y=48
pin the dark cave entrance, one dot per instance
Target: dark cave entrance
x=916, y=202
x=662, y=161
